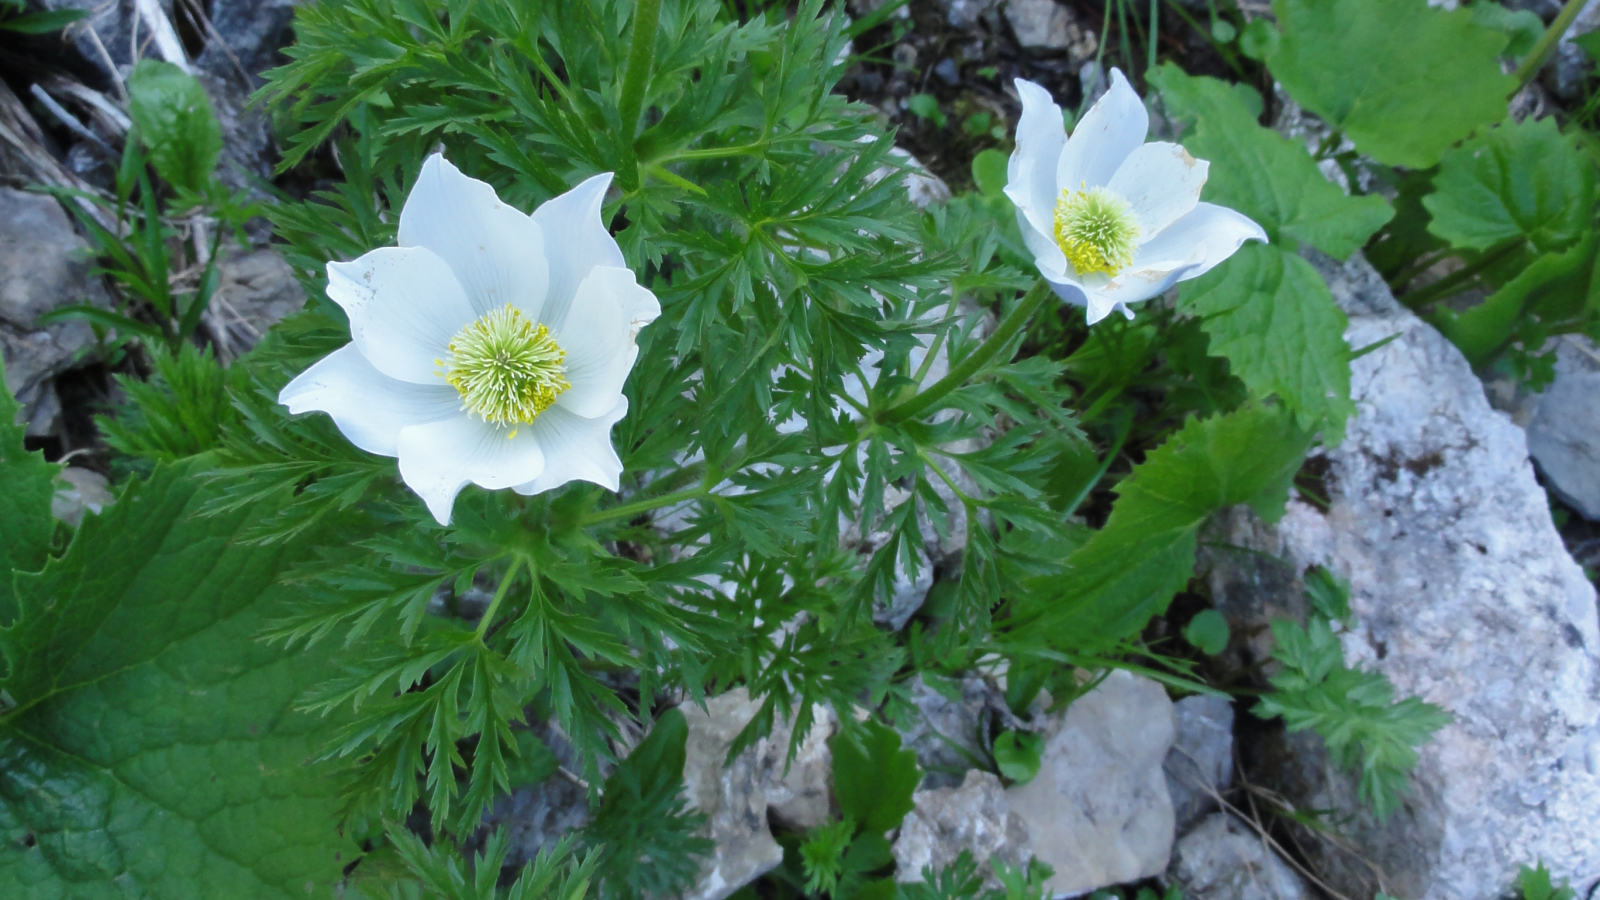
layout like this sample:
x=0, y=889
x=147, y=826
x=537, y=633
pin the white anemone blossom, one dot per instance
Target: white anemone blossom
x=489, y=347
x=1110, y=219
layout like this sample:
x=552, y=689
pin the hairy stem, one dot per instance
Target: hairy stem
x=499, y=594
x=1534, y=61
x=1009, y=326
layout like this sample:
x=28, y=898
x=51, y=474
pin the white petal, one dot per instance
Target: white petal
x=1031, y=172
x=1205, y=237
x=575, y=241
x=438, y=459
x=1134, y=285
x=1113, y=128
x=497, y=253
x=369, y=407
x=1047, y=253
x=598, y=338
x=404, y=306
x=1161, y=182
x=576, y=449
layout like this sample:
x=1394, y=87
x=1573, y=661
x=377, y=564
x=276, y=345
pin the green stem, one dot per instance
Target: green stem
x=646, y=13
x=977, y=359
x=629, y=510
x=1534, y=61
x=1150, y=61
x=499, y=594
x=1422, y=296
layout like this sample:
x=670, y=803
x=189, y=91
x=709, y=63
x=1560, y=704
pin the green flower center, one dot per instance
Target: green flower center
x=1096, y=230
x=508, y=369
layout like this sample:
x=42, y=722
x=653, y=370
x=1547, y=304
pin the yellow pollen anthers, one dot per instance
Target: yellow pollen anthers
x=508, y=369
x=1096, y=230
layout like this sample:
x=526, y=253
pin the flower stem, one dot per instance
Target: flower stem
x=1534, y=61
x=977, y=359
x=1426, y=294
x=629, y=510
x=646, y=13
x=499, y=594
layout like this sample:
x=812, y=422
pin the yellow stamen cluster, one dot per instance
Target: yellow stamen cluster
x=508, y=369
x=1096, y=230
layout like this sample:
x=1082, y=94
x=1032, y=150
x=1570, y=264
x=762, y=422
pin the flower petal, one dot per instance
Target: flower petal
x=497, y=253
x=1205, y=237
x=598, y=338
x=369, y=407
x=1162, y=183
x=576, y=241
x=1113, y=128
x=404, y=306
x=1031, y=171
x=1047, y=253
x=1134, y=285
x=437, y=459
x=576, y=449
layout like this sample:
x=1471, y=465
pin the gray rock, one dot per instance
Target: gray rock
x=737, y=798
x=1098, y=810
x=965, y=14
x=42, y=268
x=1047, y=25
x=253, y=33
x=1564, y=74
x=1464, y=595
x=539, y=815
x=949, y=733
x=1564, y=428
x=81, y=491
x=1223, y=859
x=1200, y=763
x=974, y=817
x=255, y=289
x=909, y=591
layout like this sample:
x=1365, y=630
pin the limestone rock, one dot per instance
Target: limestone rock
x=737, y=798
x=1564, y=430
x=42, y=268
x=1098, y=810
x=1463, y=594
x=81, y=491
x=975, y=817
x=1201, y=760
x=1047, y=25
x=1223, y=859
x=965, y=14
x=943, y=723
x=255, y=289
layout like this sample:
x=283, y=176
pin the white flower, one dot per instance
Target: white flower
x=1110, y=219
x=489, y=346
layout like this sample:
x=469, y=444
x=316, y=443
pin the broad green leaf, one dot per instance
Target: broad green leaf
x=1016, y=755
x=1401, y=79
x=154, y=751
x=1131, y=568
x=43, y=22
x=176, y=123
x=1207, y=632
x=1522, y=179
x=27, y=484
x=1556, y=290
x=1260, y=173
x=873, y=778
x=1270, y=314
x=1522, y=26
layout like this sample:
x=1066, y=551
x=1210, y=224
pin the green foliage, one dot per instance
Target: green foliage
x=1328, y=594
x=1519, y=181
x=176, y=124
x=178, y=412
x=1016, y=755
x=926, y=106
x=963, y=879
x=14, y=17
x=1207, y=632
x=1354, y=711
x=533, y=763
x=1130, y=569
x=1523, y=26
x=873, y=778
x=438, y=871
x=643, y=829
x=24, y=504
x=1401, y=79
x=822, y=855
x=152, y=745
x=1536, y=884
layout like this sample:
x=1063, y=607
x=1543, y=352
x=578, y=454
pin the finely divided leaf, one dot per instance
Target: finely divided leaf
x=1524, y=179
x=27, y=484
x=1270, y=314
x=1258, y=172
x=154, y=751
x=1402, y=80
